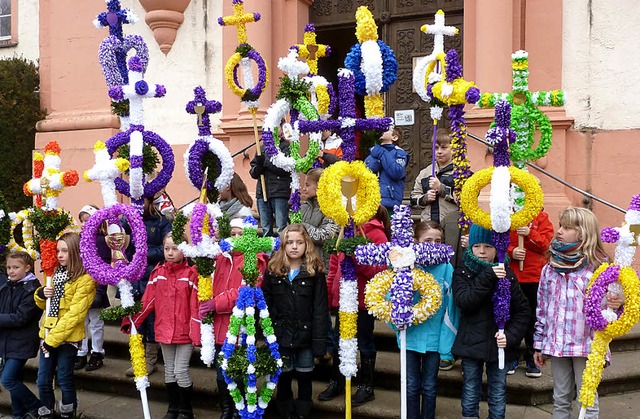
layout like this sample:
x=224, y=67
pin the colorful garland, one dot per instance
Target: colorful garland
x=50, y=225
x=609, y=324
x=22, y=217
x=330, y=197
x=373, y=63
x=138, y=361
x=242, y=56
x=106, y=170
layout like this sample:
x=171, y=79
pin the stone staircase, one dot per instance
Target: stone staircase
x=108, y=393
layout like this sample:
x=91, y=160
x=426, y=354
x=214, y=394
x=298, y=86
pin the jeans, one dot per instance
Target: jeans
x=472, y=389
x=176, y=363
x=299, y=359
x=274, y=207
x=330, y=334
x=22, y=399
x=94, y=328
x=422, y=379
x=567, y=376
x=60, y=362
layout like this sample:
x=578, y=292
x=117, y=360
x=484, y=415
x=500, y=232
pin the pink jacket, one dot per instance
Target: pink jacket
x=226, y=281
x=172, y=292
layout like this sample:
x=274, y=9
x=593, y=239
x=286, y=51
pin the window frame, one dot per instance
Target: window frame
x=12, y=40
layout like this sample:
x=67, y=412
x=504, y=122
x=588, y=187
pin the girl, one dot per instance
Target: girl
x=226, y=281
x=537, y=238
x=92, y=323
x=561, y=331
x=378, y=230
x=478, y=340
x=295, y=291
x=71, y=296
x=235, y=201
x=430, y=341
x=172, y=293
x=19, y=340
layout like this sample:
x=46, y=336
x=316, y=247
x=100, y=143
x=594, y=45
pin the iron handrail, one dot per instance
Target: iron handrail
x=557, y=179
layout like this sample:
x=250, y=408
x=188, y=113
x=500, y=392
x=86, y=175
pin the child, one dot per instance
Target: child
x=227, y=279
x=295, y=291
x=319, y=227
x=435, y=194
x=331, y=148
x=19, y=340
x=537, y=238
x=235, y=200
x=172, y=293
x=71, y=294
x=389, y=162
x=429, y=342
x=478, y=339
x=378, y=230
x=431, y=232
x=278, y=184
x=561, y=330
x=92, y=323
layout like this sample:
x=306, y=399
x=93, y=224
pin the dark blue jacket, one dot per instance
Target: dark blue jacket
x=389, y=162
x=19, y=317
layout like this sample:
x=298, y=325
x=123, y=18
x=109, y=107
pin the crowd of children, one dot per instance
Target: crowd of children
x=548, y=275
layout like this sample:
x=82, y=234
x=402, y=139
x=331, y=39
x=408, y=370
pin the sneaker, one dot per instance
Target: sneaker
x=81, y=362
x=513, y=368
x=95, y=362
x=532, y=370
x=445, y=365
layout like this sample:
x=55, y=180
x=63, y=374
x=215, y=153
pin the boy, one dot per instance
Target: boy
x=435, y=194
x=389, y=162
x=19, y=339
x=319, y=227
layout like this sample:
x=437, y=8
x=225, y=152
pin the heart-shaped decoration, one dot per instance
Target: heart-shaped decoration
x=113, y=57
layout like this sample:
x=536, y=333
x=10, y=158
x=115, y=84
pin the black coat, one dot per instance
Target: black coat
x=278, y=181
x=298, y=310
x=19, y=317
x=477, y=329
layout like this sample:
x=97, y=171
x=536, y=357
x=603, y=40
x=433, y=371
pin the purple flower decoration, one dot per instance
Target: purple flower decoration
x=595, y=294
x=294, y=201
x=452, y=63
x=210, y=107
x=196, y=224
x=501, y=135
x=141, y=87
x=101, y=271
x=609, y=235
x=502, y=302
x=160, y=90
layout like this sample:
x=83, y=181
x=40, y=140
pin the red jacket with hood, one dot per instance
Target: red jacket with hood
x=536, y=245
x=374, y=231
x=172, y=292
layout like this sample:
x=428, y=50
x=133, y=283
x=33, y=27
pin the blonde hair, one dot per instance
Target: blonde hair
x=22, y=257
x=586, y=223
x=313, y=175
x=279, y=263
x=75, y=268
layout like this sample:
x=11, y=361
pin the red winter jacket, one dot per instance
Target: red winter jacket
x=172, y=292
x=374, y=231
x=226, y=281
x=536, y=244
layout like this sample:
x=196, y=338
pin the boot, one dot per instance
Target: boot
x=365, y=392
x=285, y=408
x=151, y=354
x=174, y=399
x=303, y=409
x=336, y=383
x=67, y=411
x=45, y=413
x=185, y=410
x=227, y=405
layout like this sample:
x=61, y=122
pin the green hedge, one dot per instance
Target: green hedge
x=19, y=112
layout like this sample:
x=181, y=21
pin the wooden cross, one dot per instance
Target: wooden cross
x=239, y=20
x=203, y=108
x=311, y=50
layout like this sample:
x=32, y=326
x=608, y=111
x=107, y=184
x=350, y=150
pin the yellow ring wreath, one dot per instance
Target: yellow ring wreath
x=375, y=295
x=527, y=182
x=233, y=61
x=330, y=195
x=22, y=217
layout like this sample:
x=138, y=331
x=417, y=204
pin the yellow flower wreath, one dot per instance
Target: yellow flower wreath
x=330, y=195
x=534, y=197
x=22, y=217
x=375, y=295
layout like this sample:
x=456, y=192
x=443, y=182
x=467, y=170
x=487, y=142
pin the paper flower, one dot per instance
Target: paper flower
x=106, y=170
x=310, y=50
x=22, y=218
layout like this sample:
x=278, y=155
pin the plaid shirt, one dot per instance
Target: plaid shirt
x=561, y=328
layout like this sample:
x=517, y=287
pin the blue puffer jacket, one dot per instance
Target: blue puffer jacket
x=389, y=162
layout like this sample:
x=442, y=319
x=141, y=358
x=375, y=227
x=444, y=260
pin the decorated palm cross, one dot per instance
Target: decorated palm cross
x=135, y=91
x=400, y=281
x=106, y=170
x=114, y=18
x=310, y=50
x=373, y=63
x=501, y=175
x=619, y=278
x=203, y=107
x=242, y=328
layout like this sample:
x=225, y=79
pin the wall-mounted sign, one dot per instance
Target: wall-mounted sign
x=404, y=117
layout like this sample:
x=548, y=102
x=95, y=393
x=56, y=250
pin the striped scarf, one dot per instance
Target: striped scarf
x=565, y=257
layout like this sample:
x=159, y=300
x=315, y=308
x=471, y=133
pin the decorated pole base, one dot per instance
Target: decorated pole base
x=138, y=361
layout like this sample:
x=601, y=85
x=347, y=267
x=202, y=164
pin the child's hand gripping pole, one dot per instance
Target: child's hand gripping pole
x=138, y=361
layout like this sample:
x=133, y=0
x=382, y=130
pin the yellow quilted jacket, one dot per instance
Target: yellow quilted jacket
x=69, y=325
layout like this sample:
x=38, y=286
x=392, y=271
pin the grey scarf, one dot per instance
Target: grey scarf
x=231, y=207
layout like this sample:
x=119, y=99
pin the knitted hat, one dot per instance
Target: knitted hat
x=478, y=234
x=88, y=209
x=237, y=223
